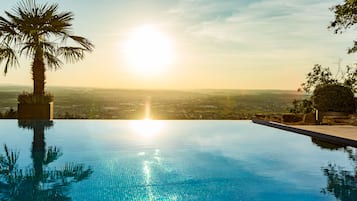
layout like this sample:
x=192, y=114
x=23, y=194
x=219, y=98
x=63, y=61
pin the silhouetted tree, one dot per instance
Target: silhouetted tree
x=334, y=98
x=38, y=183
x=341, y=183
x=323, y=76
x=39, y=32
x=345, y=18
x=302, y=106
x=318, y=76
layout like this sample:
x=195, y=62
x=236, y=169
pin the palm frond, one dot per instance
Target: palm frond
x=71, y=172
x=29, y=48
x=52, y=61
x=29, y=8
x=52, y=154
x=56, y=23
x=83, y=42
x=77, y=171
x=8, y=31
x=5, y=24
x=47, y=46
x=8, y=54
x=71, y=54
x=10, y=159
x=31, y=28
x=25, y=5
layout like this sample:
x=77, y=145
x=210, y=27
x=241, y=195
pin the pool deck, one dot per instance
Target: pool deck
x=343, y=131
x=341, y=134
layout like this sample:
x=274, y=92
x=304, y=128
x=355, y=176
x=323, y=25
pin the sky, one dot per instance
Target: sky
x=215, y=44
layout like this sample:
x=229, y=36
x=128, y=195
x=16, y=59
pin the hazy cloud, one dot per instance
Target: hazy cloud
x=272, y=25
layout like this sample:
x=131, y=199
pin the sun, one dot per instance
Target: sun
x=148, y=51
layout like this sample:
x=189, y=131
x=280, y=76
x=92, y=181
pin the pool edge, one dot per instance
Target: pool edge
x=322, y=136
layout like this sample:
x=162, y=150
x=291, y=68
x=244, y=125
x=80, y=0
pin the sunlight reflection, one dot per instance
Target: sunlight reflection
x=147, y=127
x=147, y=107
x=148, y=167
x=157, y=152
x=147, y=174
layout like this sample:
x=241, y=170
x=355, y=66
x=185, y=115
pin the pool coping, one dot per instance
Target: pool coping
x=322, y=136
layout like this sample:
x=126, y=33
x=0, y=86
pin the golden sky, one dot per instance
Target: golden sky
x=196, y=44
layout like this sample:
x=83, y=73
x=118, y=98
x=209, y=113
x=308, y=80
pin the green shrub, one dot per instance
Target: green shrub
x=30, y=98
x=302, y=106
x=334, y=98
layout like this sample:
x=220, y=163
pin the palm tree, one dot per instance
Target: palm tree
x=41, y=33
x=38, y=182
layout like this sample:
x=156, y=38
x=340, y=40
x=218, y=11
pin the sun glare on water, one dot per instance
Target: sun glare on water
x=148, y=51
x=147, y=128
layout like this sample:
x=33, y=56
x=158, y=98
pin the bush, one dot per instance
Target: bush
x=29, y=98
x=334, y=98
x=10, y=114
x=302, y=106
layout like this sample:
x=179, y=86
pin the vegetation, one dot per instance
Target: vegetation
x=334, y=98
x=40, y=32
x=332, y=92
x=323, y=76
x=39, y=181
x=304, y=106
x=345, y=18
x=341, y=182
x=29, y=98
x=319, y=81
x=9, y=114
x=91, y=103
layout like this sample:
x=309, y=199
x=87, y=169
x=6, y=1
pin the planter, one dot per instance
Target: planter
x=309, y=118
x=292, y=118
x=320, y=115
x=336, y=114
x=35, y=111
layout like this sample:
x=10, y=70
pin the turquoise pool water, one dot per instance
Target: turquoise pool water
x=170, y=160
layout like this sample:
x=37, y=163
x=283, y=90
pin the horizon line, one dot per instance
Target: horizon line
x=148, y=89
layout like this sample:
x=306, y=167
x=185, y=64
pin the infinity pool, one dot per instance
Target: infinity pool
x=170, y=160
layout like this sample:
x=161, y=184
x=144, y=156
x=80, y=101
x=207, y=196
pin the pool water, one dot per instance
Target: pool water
x=170, y=160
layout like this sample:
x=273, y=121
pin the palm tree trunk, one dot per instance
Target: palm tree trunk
x=38, y=74
x=38, y=149
x=38, y=153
